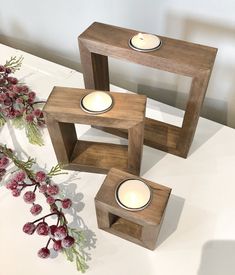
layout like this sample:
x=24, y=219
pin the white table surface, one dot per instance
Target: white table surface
x=198, y=232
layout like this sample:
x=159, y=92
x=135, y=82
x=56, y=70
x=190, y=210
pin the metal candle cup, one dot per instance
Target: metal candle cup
x=133, y=194
x=145, y=42
x=96, y=102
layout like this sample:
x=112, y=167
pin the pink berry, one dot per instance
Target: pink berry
x=16, y=89
x=15, y=192
x=2, y=68
x=29, y=228
x=43, y=229
x=43, y=188
x=3, y=97
x=36, y=209
x=29, y=118
x=12, y=80
x=32, y=95
x=29, y=197
x=67, y=241
x=52, y=190
x=60, y=232
x=7, y=102
x=4, y=161
x=52, y=231
x=8, y=70
x=44, y=253
x=40, y=176
x=66, y=203
x=57, y=245
x=37, y=112
x=19, y=176
x=24, y=89
x=50, y=200
x=12, y=185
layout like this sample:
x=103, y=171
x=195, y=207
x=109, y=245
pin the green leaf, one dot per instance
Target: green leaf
x=14, y=63
x=2, y=121
x=55, y=171
x=18, y=122
x=69, y=254
x=33, y=134
x=81, y=266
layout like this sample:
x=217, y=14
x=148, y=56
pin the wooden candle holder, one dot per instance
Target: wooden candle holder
x=141, y=227
x=63, y=110
x=100, y=41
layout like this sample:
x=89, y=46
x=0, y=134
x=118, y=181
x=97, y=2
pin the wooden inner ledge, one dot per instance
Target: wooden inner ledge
x=126, y=227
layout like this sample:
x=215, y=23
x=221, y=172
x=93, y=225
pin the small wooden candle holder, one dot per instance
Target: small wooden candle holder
x=141, y=227
x=100, y=41
x=63, y=110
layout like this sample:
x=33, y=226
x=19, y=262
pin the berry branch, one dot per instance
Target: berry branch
x=18, y=103
x=65, y=239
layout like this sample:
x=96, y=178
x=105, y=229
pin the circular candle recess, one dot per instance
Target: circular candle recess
x=133, y=194
x=96, y=102
x=145, y=42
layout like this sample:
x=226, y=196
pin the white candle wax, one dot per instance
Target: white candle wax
x=96, y=102
x=133, y=194
x=145, y=41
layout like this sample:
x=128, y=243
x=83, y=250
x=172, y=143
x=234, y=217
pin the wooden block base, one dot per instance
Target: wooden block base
x=61, y=113
x=141, y=227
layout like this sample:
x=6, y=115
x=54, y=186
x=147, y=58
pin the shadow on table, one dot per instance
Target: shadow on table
x=172, y=216
x=206, y=130
x=150, y=158
x=20, y=153
x=218, y=258
x=68, y=190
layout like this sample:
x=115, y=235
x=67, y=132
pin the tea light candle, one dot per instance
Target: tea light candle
x=133, y=194
x=145, y=42
x=96, y=102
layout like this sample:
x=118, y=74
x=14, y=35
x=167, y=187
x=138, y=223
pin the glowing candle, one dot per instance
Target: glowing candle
x=145, y=42
x=96, y=102
x=133, y=194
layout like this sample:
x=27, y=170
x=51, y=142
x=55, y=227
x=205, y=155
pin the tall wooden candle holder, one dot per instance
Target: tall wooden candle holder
x=100, y=41
x=63, y=110
x=141, y=227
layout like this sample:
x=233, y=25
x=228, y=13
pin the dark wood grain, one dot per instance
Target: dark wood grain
x=176, y=56
x=141, y=227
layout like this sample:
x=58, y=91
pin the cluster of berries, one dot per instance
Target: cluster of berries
x=58, y=233
x=17, y=100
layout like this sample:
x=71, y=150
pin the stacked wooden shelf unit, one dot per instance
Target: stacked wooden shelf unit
x=101, y=41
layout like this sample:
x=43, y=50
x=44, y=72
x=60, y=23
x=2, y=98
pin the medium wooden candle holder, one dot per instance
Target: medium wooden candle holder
x=100, y=41
x=63, y=110
x=141, y=227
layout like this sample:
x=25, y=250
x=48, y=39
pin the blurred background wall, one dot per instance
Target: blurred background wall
x=49, y=29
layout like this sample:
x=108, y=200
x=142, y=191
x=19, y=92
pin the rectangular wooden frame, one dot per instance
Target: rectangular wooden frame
x=100, y=41
x=63, y=110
